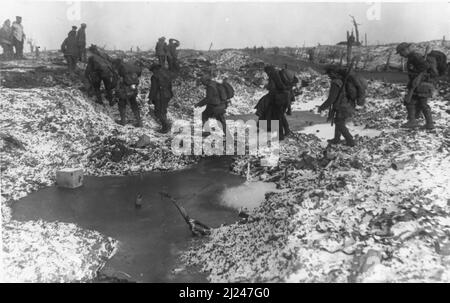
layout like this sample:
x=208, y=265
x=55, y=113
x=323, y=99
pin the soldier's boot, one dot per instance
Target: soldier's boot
x=123, y=117
x=137, y=115
x=165, y=127
x=337, y=136
x=110, y=98
x=281, y=130
x=98, y=98
x=428, y=118
x=285, y=125
x=289, y=109
x=349, y=141
x=412, y=122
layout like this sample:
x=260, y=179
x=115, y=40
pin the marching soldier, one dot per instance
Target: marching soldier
x=419, y=86
x=278, y=96
x=70, y=50
x=340, y=106
x=18, y=37
x=160, y=94
x=215, y=108
x=161, y=51
x=127, y=89
x=99, y=69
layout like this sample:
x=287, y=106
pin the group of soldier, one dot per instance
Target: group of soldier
x=12, y=38
x=74, y=46
x=347, y=90
x=167, y=52
x=422, y=72
x=121, y=79
x=275, y=105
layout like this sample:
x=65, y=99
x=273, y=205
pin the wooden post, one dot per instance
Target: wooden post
x=388, y=60
x=365, y=39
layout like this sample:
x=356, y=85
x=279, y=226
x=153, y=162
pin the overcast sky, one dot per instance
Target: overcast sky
x=228, y=24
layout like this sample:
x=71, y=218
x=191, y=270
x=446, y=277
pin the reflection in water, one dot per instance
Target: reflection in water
x=249, y=195
x=326, y=131
x=152, y=236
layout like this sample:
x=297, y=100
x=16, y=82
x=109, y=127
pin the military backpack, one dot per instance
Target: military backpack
x=288, y=77
x=225, y=90
x=355, y=89
x=437, y=61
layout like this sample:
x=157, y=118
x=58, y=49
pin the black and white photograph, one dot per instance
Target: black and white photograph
x=238, y=142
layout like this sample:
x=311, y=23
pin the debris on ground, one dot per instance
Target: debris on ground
x=345, y=215
x=52, y=252
x=341, y=214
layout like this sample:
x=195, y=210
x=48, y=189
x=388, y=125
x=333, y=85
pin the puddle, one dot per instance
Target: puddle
x=151, y=238
x=298, y=120
x=326, y=131
x=249, y=195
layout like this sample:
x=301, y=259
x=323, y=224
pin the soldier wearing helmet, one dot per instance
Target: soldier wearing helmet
x=419, y=87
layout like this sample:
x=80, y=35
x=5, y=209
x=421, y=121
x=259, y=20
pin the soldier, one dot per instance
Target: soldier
x=160, y=94
x=18, y=37
x=81, y=41
x=70, y=50
x=6, y=40
x=215, y=108
x=341, y=108
x=279, y=100
x=127, y=90
x=99, y=69
x=419, y=87
x=74, y=29
x=161, y=51
x=172, y=58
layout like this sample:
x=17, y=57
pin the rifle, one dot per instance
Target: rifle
x=419, y=81
x=332, y=109
x=197, y=228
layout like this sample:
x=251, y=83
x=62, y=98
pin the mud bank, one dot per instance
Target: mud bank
x=150, y=238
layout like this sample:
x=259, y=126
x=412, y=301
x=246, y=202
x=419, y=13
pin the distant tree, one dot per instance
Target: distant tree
x=276, y=50
x=355, y=24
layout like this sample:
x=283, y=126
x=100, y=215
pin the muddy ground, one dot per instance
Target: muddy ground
x=341, y=214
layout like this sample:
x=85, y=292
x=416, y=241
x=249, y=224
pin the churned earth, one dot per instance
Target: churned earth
x=337, y=213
